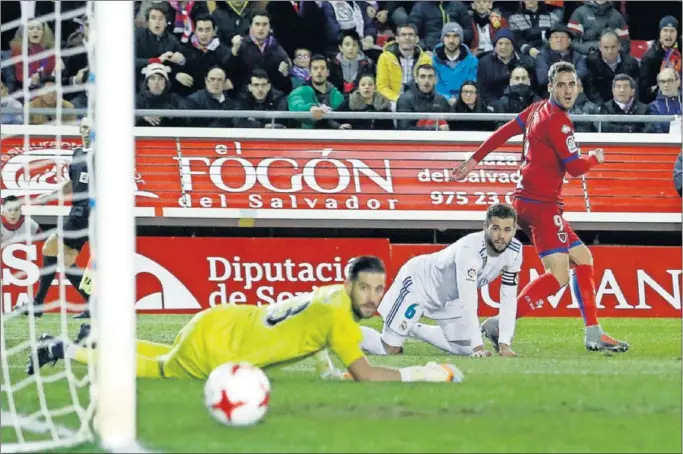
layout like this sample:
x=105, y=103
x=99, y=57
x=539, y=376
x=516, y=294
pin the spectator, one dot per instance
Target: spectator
x=396, y=12
x=668, y=100
x=664, y=53
x=453, y=62
x=623, y=103
x=344, y=16
x=233, y=18
x=185, y=14
x=8, y=73
x=259, y=50
x=261, y=96
x=422, y=97
x=493, y=72
x=212, y=97
x=318, y=97
x=301, y=71
x=604, y=65
x=76, y=71
x=678, y=174
x=396, y=65
x=590, y=19
x=583, y=106
x=12, y=103
x=531, y=25
x=350, y=63
x=156, y=43
x=366, y=99
x=299, y=24
x=469, y=102
x=40, y=39
x=485, y=25
x=48, y=100
x=430, y=17
x=203, y=52
x=518, y=95
x=156, y=94
x=559, y=48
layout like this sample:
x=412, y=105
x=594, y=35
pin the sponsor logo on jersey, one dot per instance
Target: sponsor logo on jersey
x=571, y=144
x=83, y=177
x=566, y=129
x=471, y=275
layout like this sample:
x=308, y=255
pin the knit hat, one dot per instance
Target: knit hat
x=503, y=33
x=668, y=21
x=560, y=28
x=155, y=67
x=452, y=27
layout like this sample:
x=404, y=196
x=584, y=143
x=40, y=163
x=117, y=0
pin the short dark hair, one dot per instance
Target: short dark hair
x=622, y=77
x=353, y=34
x=258, y=13
x=501, y=211
x=154, y=8
x=425, y=66
x=559, y=67
x=368, y=263
x=406, y=25
x=259, y=74
x=206, y=18
x=47, y=80
x=319, y=57
x=10, y=198
x=472, y=83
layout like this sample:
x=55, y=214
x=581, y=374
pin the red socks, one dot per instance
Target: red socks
x=584, y=291
x=537, y=290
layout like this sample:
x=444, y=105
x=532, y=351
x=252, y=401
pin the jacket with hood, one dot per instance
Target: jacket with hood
x=663, y=105
x=678, y=174
x=450, y=75
x=531, y=29
x=305, y=97
x=430, y=17
x=589, y=20
x=341, y=73
x=598, y=84
x=355, y=103
x=275, y=101
x=415, y=100
x=203, y=100
x=390, y=71
x=612, y=108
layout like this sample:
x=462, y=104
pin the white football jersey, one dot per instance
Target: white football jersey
x=436, y=274
x=17, y=233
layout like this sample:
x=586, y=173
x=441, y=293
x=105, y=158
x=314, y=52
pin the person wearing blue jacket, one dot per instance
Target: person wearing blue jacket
x=453, y=62
x=668, y=101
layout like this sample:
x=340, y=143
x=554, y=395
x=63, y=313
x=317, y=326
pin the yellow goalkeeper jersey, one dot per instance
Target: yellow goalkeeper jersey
x=267, y=335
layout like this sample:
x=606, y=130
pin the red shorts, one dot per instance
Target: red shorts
x=544, y=225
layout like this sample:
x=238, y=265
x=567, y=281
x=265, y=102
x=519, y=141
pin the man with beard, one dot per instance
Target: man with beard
x=318, y=97
x=423, y=98
x=443, y=286
x=519, y=95
x=453, y=62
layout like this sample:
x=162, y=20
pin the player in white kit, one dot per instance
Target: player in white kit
x=444, y=286
x=16, y=228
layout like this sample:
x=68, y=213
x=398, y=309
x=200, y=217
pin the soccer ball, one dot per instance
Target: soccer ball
x=237, y=394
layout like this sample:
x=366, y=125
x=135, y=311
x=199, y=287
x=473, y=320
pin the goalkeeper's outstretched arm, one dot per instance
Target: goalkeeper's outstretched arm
x=361, y=370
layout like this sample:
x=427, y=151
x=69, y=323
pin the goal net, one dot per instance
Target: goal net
x=57, y=116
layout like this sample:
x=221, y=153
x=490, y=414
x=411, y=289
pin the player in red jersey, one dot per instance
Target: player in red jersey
x=549, y=151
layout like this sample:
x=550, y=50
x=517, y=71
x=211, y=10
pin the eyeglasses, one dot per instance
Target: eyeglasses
x=304, y=56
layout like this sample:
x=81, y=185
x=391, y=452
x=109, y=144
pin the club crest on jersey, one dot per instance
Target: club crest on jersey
x=562, y=236
x=566, y=129
x=83, y=178
x=571, y=144
x=471, y=275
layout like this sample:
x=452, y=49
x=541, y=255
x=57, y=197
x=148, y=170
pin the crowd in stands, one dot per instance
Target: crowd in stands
x=365, y=56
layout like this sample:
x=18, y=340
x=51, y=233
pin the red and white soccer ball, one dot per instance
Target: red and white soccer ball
x=237, y=394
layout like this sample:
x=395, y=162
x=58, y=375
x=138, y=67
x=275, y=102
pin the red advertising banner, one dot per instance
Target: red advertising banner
x=346, y=175
x=185, y=275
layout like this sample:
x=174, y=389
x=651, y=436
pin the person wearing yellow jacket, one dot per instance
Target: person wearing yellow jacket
x=396, y=65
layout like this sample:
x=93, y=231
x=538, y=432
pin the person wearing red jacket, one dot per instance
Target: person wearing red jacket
x=549, y=151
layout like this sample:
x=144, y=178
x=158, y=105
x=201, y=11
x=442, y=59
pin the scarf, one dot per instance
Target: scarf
x=349, y=16
x=672, y=59
x=213, y=44
x=183, y=21
x=300, y=73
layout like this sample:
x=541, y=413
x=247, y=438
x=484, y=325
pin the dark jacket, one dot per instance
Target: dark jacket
x=275, y=101
x=334, y=30
x=365, y=66
x=547, y=57
x=598, y=84
x=199, y=62
x=493, y=75
x=515, y=99
x=611, y=108
x=663, y=106
x=166, y=100
x=307, y=28
x=430, y=17
x=416, y=101
x=354, y=103
x=148, y=45
x=470, y=125
x=529, y=28
x=678, y=174
x=583, y=106
x=590, y=19
x=203, y=100
x=230, y=22
x=651, y=65
x=250, y=57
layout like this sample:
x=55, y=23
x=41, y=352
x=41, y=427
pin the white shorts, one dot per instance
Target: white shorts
x=400, y=309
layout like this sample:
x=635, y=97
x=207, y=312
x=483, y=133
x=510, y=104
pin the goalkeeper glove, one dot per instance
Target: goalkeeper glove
x=432, y=372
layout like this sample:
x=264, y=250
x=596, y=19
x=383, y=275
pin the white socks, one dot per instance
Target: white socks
x=372, y=341
x=434, y=335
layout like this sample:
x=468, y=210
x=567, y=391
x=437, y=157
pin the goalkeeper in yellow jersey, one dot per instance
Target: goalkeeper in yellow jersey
x=267, y=336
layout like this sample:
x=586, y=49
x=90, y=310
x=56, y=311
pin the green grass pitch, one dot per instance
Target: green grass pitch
x=556, y=398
